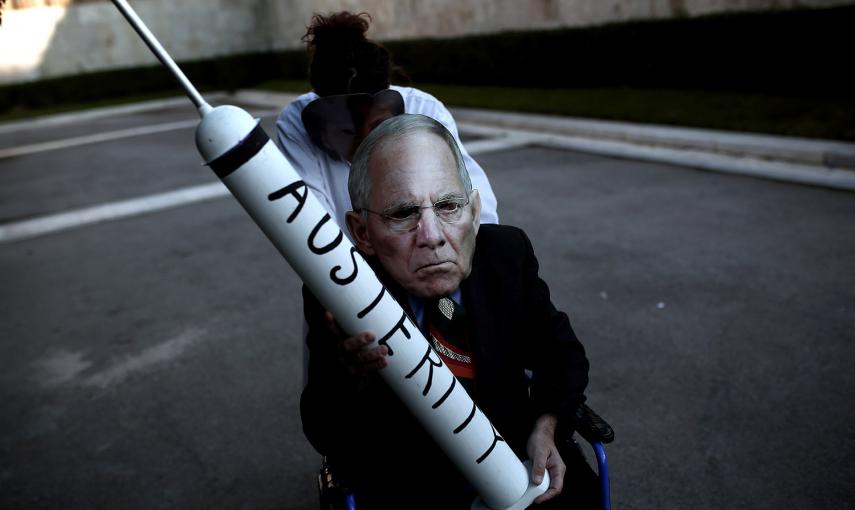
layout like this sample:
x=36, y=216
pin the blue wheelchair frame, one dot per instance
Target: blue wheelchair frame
x=603, y=474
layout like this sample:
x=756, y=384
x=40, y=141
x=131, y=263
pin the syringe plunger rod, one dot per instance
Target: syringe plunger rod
x=154, y=45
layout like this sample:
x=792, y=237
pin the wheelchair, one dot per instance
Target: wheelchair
x=334, y=495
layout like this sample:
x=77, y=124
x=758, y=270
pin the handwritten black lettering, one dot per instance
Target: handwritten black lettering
x=467, y=420
x=399, y=325
x=446, y=394
x=496, y=439
x=320, y=250
x=371, y=306
x=431, y=363
x=352, y=276
x=291, y=189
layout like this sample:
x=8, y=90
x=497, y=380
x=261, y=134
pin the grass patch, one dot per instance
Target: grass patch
x=810, y=117
x=285, y=86
x=27, y=113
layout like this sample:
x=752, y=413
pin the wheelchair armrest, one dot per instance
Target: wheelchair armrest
x=590, y=426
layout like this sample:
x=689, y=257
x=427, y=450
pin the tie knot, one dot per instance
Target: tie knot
x=446, y=309
x=446, y=306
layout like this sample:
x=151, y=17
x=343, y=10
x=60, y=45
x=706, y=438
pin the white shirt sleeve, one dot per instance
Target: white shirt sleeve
x=417, y=101
x=301, y=152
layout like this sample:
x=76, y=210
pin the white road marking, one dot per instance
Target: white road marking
x=495, y=139
x=159, y=201
x=61, y=366
x=155, y=355
x=99, y=113
x=112, y=211
x=492, y=138
x=66, y=367
x=75, y=141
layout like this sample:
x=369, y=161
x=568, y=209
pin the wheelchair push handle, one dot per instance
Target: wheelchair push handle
x=591, y=426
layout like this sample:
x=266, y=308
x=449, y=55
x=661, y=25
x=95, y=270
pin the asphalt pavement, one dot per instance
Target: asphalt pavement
x=152, y=359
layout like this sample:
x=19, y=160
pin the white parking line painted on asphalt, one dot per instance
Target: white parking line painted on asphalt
x=97, y=113
x=156, y=202
x=75, y=141
x=497, y=139
x=112, y=211
x=64, y=367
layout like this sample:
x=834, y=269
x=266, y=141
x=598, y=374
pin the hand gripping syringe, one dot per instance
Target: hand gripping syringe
x=238, y=150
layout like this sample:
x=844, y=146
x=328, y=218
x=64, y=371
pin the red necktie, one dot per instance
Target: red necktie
x=449, y=336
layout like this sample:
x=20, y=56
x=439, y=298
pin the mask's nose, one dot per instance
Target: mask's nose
x=429, y=233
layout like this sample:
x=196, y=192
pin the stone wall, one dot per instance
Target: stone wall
x=52, y=38
x=59, y=40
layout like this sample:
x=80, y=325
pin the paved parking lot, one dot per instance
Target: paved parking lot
x=154, y=361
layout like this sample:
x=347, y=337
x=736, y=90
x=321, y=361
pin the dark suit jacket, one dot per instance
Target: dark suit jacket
x=361, y=425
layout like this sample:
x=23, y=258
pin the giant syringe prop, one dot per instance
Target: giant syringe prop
x=238, y=150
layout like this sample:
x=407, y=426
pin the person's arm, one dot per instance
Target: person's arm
x=417, y=101
x=557, y=358
x=354, y=352
x=306, y=159
x=544, y=456
x=489, y=204
x=559, y=373
x=340, y=379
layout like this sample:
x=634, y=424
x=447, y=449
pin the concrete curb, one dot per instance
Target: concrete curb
x=776, y=148
x=492, y=139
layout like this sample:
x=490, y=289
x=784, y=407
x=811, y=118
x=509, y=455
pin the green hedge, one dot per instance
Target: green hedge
x=792, y=52
x=225, y=73
x=796, y=52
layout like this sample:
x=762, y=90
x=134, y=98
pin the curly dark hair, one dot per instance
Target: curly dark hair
x=341, y=59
